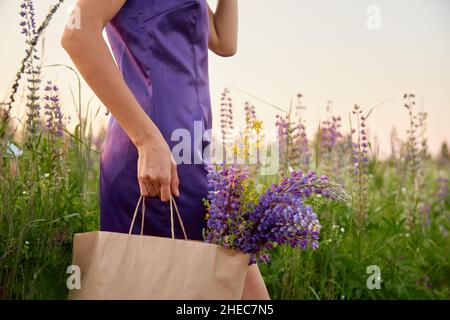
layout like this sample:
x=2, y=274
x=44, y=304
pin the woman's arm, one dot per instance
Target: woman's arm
x=157, y=173
x=223, y=26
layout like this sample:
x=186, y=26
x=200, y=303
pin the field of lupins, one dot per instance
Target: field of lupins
x=344, y=211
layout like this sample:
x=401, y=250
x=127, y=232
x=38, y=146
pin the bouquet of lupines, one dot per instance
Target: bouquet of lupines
x=239, y=218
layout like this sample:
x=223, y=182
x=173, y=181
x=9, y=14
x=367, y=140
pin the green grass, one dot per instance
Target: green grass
x=414, y=263
x=51, y=195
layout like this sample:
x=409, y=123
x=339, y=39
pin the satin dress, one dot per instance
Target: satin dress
x=161, y=48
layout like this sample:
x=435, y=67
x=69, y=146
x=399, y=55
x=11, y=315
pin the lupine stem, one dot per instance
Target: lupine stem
x=28, y=53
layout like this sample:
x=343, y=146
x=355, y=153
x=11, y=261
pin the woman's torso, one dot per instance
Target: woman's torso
x=161, y=47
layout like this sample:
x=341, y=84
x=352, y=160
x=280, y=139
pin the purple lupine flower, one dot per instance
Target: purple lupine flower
x=28, y=22
x=331, y=145
x=225, y=186
x=250, y=115
x=304, y=148
x=294, y=153
x=279, y=217
x=360, y=161
x=330, y=133
x=413, y=150
x=31, y=67
x=422, y=125
x=299, y=152
x=443, y=188
x=283, y=136
x=226, y=119
x=415, y=156
x=54, y=116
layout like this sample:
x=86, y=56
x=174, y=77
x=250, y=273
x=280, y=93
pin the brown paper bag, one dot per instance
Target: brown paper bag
x=126, y=266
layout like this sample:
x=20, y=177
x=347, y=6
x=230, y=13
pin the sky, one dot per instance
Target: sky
x=328, y=50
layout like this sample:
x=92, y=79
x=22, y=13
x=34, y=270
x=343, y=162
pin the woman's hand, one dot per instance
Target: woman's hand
x=157, y=170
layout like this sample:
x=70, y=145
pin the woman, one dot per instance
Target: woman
x=158, y=97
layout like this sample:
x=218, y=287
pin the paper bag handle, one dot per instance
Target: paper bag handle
x=172, y=200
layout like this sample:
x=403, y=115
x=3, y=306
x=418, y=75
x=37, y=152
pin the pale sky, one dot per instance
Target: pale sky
x=321, y=48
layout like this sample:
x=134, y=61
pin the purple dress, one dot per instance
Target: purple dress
x=161, y=48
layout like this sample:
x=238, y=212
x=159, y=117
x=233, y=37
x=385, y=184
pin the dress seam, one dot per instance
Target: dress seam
x=194, y=43
x=146, y=70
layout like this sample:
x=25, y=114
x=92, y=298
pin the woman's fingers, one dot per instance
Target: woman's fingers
x=161, y=187
x=147, y=186
x=153, y=188
x=143, y=188
x=165, y=191
x=174, y=181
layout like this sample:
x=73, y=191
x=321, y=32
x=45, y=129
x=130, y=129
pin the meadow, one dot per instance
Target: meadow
x=397, y=221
